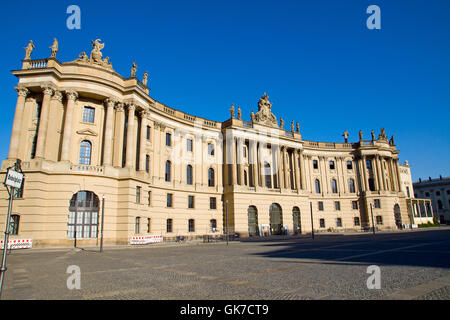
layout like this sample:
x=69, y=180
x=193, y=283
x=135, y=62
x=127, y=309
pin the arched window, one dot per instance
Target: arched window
x=351, y=185
x=211, y=182
x=189, y=174
x=267, y=175
x=334, y=187
x=83, y=215
x=137, y=225
x=85, y=152
x=317, y=186
x=168, y=168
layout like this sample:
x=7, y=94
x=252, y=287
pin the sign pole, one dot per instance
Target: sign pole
x=226, y=217
x=5, y=243
x=373, y=224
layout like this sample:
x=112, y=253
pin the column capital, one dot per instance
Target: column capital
x=71, y=95
x=47, y=89
x=22, y=91
x=144, y=113
x=119, y=107
x=57, y=96
x=111, y=102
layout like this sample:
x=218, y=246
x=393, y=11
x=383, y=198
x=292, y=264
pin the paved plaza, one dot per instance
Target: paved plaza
x=413, y=265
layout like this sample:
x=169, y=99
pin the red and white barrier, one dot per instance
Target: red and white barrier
x=145, y=239
x=18, y=244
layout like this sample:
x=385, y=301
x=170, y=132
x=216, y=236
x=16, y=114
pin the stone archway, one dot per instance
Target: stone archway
x=276, y=218
x=397, y=216
x=253, y=221
x=296, y=220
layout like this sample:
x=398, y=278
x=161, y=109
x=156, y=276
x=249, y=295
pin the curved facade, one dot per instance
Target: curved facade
x=85, y=132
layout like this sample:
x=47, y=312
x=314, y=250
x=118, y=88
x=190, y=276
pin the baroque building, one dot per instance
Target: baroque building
x=85, y=134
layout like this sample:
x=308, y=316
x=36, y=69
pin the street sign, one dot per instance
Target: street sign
x=13, y=179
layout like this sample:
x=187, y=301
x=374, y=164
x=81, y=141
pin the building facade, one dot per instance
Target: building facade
x=86, y=135
x=438, y=192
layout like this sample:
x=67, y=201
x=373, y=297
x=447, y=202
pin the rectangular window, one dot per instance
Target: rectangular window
x=168, y=139
x=148, y=132
x=138, y=194
x=137, y=225
x=320, y=205
x=379, y=220
x=147, y=163
x=315, y=164
x=14, y=226
x=349, y=165
x=332, y=166
x=212, y=203
x=191, y=225
x=148, y=225
x=190, y=202
x=149, y=198
x=338, y=222
x=189, y=145
x=355, y=205
x=169, y=200
x=368, y=164
x=88, y=114
x=337, y=205
x=210, y=149
x=377, y=203
x=322, y=223
x=244, y=152
x=356, y=221
x=213, y=225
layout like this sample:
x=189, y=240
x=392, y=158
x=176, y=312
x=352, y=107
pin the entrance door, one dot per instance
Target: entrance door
x=276, y=219
x=296, y=220
x=253, y=221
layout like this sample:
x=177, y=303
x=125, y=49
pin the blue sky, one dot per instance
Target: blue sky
x=316, y=60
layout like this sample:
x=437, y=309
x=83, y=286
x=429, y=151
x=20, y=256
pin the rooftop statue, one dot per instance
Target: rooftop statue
x=145, y=78
x=133, y=70
x=28, y=50
x=292, y=125
x=54, y=48
x=360, y=135
x=232, y=111
x=298, y=126
x=345, y=134
x=382, y=134
x=252, y=116
x=95, y=57
x=264, y=114
x=373, y=135
x=281, y=123
x=239, y=113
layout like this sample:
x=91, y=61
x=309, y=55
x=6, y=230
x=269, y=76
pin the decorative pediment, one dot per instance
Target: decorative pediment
x=96, y=56
x=264, y=115
x=87, y=132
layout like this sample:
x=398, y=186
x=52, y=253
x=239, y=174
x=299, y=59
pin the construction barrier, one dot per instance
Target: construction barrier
x=146, y=239
x=18, y=244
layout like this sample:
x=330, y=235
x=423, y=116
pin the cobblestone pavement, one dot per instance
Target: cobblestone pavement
x=414, y=265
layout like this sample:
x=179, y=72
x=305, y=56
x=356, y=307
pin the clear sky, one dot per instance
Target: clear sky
x=317, y=61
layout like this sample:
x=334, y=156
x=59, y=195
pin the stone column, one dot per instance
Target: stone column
x=253, y=157
x=130, y=136
x=397, y=169
x=17, y=124
x=143, y=140
x=285, y=169
x=71, y=98
x=298, y=184
x=363, y=178
x=43, y=121
x=53, y=139
x=119, y=128
x=240, y=161
x=107, y=147
x=385, y=187
x=303, y=170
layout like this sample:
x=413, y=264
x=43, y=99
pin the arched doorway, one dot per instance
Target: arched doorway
x=276, y=218
x=296, y=220
x=83, y=216
x=253, y=221
x=397, y=216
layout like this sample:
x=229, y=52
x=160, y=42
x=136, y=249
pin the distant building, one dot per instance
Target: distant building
x=438, y=191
